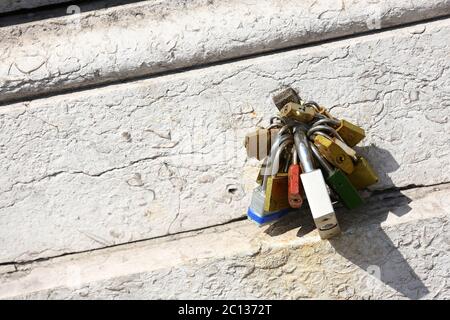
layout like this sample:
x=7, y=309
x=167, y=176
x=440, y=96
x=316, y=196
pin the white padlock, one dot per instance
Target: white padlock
x=315, y=189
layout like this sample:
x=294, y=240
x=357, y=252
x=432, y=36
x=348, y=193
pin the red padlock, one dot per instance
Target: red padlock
x=294, y=184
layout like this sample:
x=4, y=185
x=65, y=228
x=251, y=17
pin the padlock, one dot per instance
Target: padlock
x=259, y=142
x=328, y=125
x=282, y=135
x=276, y=122
x=339, y=182
x=350, y=133
x=298, y=112
x=334, y=153
x=363, y=175
x=294, y=184
x=315, y=189
x=349, y=151
x=277, y=193
x=284, y=97
x=277, y=183
x=256, y=210
x=333, y=123
x=316, y=127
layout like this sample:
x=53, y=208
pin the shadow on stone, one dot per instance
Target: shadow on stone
x=366, y=244
x=382, y=162
x=363, y=241
x=296, y=219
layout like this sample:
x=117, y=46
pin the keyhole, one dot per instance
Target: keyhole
x=340, y=159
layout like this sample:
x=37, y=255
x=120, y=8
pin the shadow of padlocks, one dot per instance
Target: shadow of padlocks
x=76, y=11
x=374, y=277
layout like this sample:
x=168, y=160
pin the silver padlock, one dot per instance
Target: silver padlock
x=256, y=210
x=315, y=189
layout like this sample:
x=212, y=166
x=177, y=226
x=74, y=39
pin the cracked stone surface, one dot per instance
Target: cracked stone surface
x=154, y=157
x=395, y=247
x=154, y=36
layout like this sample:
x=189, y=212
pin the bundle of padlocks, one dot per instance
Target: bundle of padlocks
x=307, y=153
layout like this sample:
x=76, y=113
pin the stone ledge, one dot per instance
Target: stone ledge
x=395, y=247
x=152, y=37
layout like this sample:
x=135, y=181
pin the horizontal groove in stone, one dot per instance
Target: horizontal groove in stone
x=376, y=199
x=153, y=37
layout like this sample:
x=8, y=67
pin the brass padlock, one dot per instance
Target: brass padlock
x=284, y=97
x=298, y=112
x=276, y=186
x=324, y=111
x=336, y=139
x=346, y=148
x=350, y=133
x=259, y=142
x=334, y=153
x=363, y=174
x=277, y=193
x=256, y=210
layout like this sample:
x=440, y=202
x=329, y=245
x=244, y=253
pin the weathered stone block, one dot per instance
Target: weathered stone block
x=159, y=156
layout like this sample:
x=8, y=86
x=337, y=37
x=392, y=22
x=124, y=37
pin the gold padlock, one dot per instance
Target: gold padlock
x=350, y=133
x=363, y=175
x=334, y=153
x=259, y=142
x=277, y=192
x=346, y=148
x=298, y=112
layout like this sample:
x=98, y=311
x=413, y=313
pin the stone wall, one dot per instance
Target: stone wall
x=121, y=139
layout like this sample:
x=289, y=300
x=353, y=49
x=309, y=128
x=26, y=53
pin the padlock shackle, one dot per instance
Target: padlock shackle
x=344, y=146
x=324, y=128
x=327, y=121
x=303, y=150
x=313, y=104
x=279, y=140
x=294, y=156
x=323, y=163
x=283, y=130
x=276, y=162
x=276, y=145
